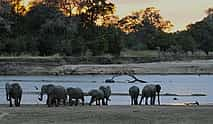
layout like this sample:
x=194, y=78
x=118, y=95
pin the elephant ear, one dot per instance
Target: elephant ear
x=158, y=88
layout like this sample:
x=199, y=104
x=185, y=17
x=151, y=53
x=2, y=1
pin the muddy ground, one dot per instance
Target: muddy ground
x=56, y=67
x=41, y=114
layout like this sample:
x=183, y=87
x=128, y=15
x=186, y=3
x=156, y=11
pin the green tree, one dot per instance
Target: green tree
x=57, y=35
x=185, y=41
x=202, y=33
x=38, y=16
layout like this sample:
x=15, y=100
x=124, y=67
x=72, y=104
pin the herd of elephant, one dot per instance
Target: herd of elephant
x=57, y=94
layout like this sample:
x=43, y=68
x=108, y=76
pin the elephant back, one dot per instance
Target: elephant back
x=59, y=92
x=134, y=91
x=75, y=92
x=47, y=89
x=99, y=94
x=149, y=90
x=15, y=90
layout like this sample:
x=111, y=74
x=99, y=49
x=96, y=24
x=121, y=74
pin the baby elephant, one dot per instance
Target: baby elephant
x=13, y=91
x=75, y=93
x=134, y=93
x=107, y=93
x=96, y=95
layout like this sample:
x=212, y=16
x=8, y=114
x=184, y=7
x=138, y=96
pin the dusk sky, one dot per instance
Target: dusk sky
x=180, y=12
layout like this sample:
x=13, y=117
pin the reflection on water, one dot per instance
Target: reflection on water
x=175, y=84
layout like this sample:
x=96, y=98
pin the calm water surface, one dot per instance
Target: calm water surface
x=175, y=84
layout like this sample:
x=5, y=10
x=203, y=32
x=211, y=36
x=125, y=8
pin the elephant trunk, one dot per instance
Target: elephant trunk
x=41, y=97
x=7, y=96
x=141, y=99
x=7, y=88
x=158, y=98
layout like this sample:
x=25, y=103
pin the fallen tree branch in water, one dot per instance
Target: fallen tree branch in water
x=128, y=74
x=135, y=79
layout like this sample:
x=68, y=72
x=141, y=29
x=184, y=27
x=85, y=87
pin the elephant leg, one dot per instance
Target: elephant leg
x=16, y=101
x=158, y=99
x=91, y=100
x=131, y=100
x=96, y=101
x=136, y=100
x=57, y=102
x=107, y=101
x=19, y=100
x=103, y=102
x=47, y=99
x=76, y=102
x=153, y=100
x=54, y=102
x=64, y=101
x=146, y=100
x=70, y=101
x=50, y=102
x=99, y=101
x=82, y=99
x=11, y=104
x=141, y=100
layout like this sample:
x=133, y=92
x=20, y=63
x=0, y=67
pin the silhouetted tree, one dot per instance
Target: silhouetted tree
x=150, y=16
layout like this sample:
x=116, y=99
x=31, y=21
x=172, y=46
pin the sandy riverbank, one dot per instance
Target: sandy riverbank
x=40, y=114
x=45, y=67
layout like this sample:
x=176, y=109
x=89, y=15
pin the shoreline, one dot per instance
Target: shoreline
x=87, y=105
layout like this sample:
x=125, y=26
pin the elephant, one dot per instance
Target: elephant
x=150, y=91
x=13, y=91
x=46, y=89
x=107, y=93
x=96, y=95
x=134, y=93
x=75, y=93
x=59, y=93
x=54, y=94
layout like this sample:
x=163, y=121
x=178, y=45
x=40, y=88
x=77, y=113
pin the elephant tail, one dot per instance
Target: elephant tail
x=141, y=99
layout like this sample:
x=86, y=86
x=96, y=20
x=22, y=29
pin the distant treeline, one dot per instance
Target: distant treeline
x=90, y=28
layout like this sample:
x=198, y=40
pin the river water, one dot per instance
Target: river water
x=174, y=84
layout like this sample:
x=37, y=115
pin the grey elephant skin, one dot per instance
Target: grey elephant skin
x=107, y=93
x=150, y=91
x=54, y=94
x=96, y=95
x=134, y=93
x=13, y=91
x=75, y=93
x=46, y=89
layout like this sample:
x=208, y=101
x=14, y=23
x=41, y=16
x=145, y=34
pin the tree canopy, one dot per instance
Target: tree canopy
x=90, y=27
